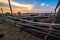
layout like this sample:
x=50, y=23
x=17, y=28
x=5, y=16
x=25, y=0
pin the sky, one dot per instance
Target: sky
x=39, y=3
x=31, y=6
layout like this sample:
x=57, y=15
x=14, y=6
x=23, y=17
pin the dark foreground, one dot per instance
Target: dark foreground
x=11, y=33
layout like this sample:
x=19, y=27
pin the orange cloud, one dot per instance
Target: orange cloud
x=16, y=5
x=23, y=8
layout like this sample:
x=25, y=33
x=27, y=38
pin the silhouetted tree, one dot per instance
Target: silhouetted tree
x=19, y=14
x=8, y=14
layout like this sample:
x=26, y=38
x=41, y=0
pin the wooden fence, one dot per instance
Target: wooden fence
x=41, y=30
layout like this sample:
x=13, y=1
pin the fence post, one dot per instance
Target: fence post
x=10, y=6
x=50, y=30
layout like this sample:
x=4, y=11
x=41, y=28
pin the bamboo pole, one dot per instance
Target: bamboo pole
x=2, y=10
x=10, y=6
x=57, y=5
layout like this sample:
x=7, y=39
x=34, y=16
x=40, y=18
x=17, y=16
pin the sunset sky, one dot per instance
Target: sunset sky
x=29, y=6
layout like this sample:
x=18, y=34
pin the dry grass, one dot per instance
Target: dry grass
x=12, y=33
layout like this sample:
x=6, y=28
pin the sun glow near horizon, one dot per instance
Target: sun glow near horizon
x=16, y=7
x=29, y=6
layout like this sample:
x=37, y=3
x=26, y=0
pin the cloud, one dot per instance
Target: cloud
x=26, y=7
x=4, y=3
x=40, y=11
x=44, y=5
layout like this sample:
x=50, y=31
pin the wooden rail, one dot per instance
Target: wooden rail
x=48, y=29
